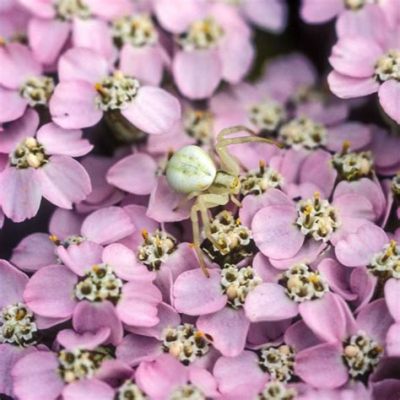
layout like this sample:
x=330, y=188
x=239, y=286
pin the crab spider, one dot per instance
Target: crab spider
x=191, y=171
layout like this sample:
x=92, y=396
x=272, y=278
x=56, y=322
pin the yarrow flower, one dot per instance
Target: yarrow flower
x=101, y=90
x=40, y=164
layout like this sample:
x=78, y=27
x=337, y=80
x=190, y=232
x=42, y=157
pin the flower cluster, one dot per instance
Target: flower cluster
x=258, y=267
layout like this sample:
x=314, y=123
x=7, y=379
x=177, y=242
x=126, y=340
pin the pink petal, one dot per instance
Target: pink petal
x=358, y=248
x=195, y=294
x=145, y=63
x=300, y=337
x=314, y=12
x=33, y=252
x=318, y=169
x=346, y=87
x=20, y=193
x=363, y=284
x=228, y=372
x=375, y=320
x=134, y=174
x=322, y=366
x=237, y=54
x=90, y=317
x=110, y=9
x=40, y=8
x=64, y=223
x=124, y=263
x=47, y=37
x=337, y=277
x=168, y=317
x=389, y=97
x=166, y=205
x=69, y=339
x=88, y=389
x=12, y=284
x=204, y=380
x=178, y=22
x=269, y=302
x=358, y=134
x=393, y=341
x=367, y=188
x=50, y=292
x=72, y=105
x=135, y=348
x=35, y=377
x=267, y=14
x=64, y=181
x=138, y=304
x=392, y=290
x=197, y=73
x=80, y=258
x=57, y=140
x=17, y=65
x=93, y=34
x=9, y=355
x=12, y=105
x=228, y=328
x=364, y=23
x=309, y=252
x=81, y=64
x=167, y=371
x=325, y=317
x=107, y=225
x=18, y=130
x=153, y=110
x=275, y=233
x=355, y=56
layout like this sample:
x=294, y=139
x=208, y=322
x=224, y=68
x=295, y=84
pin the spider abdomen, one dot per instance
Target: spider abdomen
x=190, y=169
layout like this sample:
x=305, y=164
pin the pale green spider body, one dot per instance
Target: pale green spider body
x=192, y=172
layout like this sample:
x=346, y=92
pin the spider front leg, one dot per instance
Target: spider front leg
x=197, y=240
x=203, y=203
x=228, y=162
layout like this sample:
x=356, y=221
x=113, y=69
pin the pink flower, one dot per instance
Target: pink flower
x=62, y=373
x=286, y=231
x=203, y=60
x=38, y=249
x=61, y=19
x=141, y=50
x=354, y=17
x=97, y=288
x=221, y=301
x=363, y=66
x=40, y=164
x=370, y=249
x=354, y=351
x=18, y=325
x=247, y=374
x=173, y=379
x=88, y=89
x=22, y=82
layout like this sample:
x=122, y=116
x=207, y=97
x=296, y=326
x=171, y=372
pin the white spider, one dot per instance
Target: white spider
x=191, y=171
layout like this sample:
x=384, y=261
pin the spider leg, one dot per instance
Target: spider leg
x=197, y=240
x=229, y=163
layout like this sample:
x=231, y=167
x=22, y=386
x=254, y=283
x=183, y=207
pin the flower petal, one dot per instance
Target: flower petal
x=64, y=181
x=228, y=329
x=153, y=110
x=269, y=302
